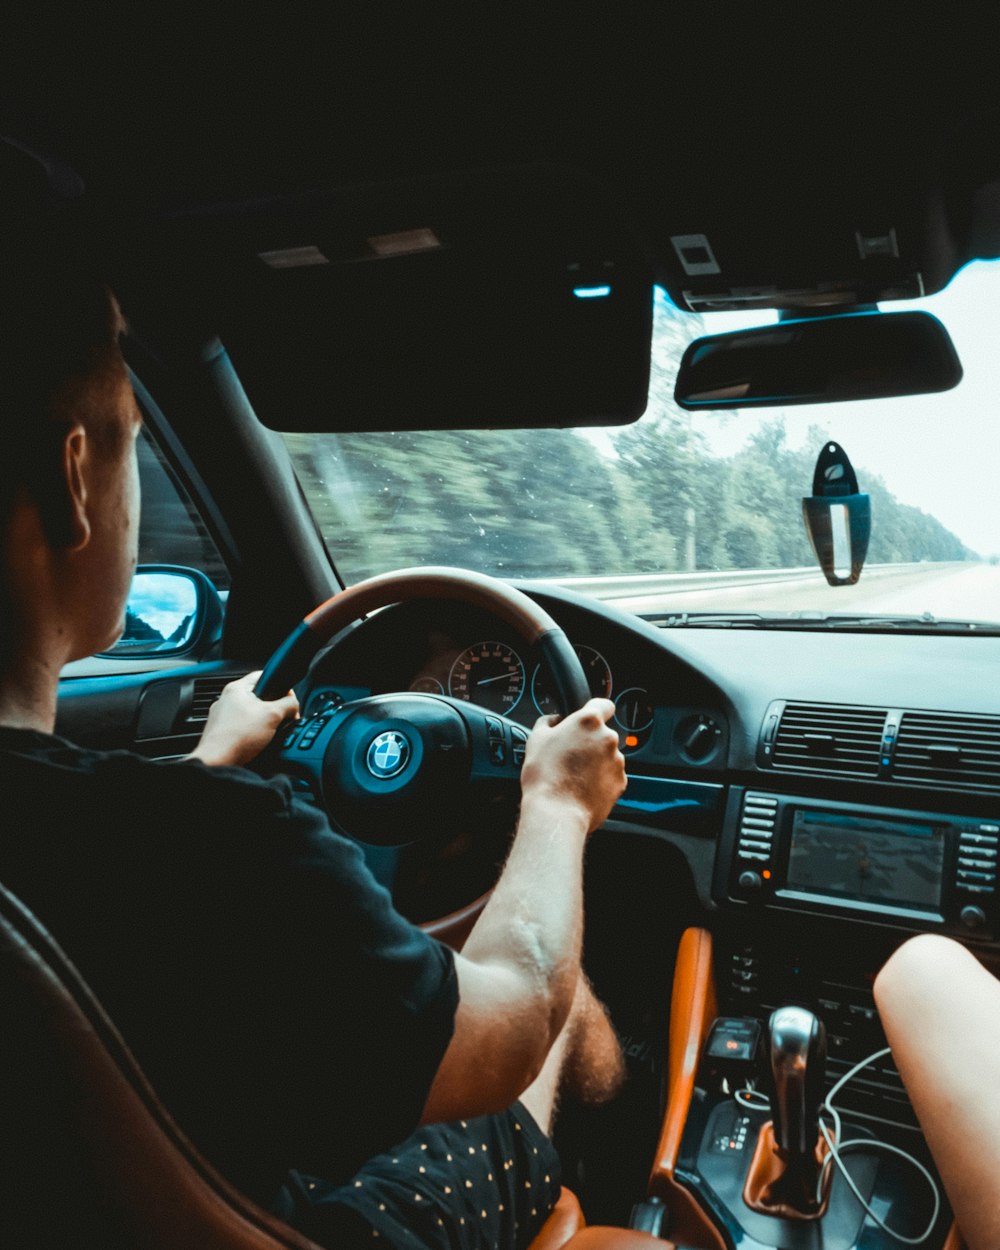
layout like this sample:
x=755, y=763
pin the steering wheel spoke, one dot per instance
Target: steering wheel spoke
x=498, y=747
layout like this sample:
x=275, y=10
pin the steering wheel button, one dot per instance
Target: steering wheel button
x=494, y=728
x=498, y=753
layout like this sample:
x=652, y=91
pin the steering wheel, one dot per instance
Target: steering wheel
x=394, y=769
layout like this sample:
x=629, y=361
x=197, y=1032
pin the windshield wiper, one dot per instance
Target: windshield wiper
x=926, y=623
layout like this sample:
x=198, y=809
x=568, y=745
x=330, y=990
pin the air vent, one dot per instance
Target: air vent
x=206, y=691
x=948, y=749
x=829, y=738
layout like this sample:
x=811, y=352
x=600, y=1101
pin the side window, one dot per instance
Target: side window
x=171, y=530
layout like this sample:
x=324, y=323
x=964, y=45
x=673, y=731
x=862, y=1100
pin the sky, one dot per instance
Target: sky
x=162, y=600
x=939, y=452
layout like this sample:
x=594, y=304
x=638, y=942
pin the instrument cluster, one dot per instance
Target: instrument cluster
x=494, y=675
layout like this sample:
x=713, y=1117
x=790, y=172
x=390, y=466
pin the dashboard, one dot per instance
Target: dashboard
x=809, y=868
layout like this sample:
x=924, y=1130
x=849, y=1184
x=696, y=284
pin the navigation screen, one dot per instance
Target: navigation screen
x=860, y=857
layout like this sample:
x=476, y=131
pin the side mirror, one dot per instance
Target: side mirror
x=838, y=518
x=170, y=611
x=816, y=360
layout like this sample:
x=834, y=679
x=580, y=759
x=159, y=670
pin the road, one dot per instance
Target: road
x=969, y=592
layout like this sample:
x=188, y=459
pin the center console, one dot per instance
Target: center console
x=813, y=896
x=917, y=869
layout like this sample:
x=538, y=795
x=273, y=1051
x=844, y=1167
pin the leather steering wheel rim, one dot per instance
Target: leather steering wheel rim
x=290, y=661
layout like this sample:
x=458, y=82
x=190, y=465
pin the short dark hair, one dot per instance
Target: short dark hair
x=59, y=355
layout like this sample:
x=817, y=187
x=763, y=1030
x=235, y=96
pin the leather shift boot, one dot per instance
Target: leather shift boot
x=774, y=1188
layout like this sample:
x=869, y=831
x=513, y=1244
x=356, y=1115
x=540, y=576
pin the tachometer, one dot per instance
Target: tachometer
x=595, y=669
x=490, y=674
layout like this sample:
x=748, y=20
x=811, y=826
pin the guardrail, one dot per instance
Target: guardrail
x=639, y=584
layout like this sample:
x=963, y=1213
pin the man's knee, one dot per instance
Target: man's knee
x=921, y=971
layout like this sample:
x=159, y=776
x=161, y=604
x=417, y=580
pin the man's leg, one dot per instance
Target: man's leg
x=585, y=1060
x=941, y=1013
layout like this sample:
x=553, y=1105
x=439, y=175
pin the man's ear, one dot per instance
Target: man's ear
x=67, y=520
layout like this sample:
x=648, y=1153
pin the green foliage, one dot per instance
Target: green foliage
x=650, y=497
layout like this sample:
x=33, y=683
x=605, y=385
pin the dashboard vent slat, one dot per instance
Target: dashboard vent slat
x=948, y=749
x=206, y=691
x=829, y=738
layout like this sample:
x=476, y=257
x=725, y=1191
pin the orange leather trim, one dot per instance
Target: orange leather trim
x=954, y=1240
x=692, y=1010
x=565, y=1219
x=602, y=1237
x=431, y=582
x=454, y=928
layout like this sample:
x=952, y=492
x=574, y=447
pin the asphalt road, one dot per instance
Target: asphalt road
x=969, y=592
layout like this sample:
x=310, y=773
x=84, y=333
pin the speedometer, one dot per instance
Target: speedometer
x=490, y=674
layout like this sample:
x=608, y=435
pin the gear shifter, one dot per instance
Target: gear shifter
x=797, y=1045
x=784, y=1172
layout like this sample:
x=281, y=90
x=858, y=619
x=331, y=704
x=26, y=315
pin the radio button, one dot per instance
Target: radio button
x=752, y=844
x=975, y=889
x=965, y=875
x=972, y=917
x=989, y=829
x=754, y=822
x=765, y=800
x=758, y=856
x=977, y=859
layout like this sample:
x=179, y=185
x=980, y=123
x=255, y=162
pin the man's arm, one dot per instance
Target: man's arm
x=518, y=970
x=941, y=1012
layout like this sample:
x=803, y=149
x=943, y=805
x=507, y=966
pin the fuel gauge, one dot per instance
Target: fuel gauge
x=634, y=717
x=426, y=685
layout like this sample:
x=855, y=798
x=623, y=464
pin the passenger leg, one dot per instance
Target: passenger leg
x=941, y=1013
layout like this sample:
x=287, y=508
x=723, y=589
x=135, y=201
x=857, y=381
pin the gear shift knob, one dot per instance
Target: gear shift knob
x=797, y=1046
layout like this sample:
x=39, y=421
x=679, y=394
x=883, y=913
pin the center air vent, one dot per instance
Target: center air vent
x=947, y=749
x=827, y=738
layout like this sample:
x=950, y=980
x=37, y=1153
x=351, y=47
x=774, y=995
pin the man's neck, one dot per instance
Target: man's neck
x=28, y=695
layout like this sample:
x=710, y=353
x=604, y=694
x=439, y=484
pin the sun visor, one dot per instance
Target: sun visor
x=502, y=298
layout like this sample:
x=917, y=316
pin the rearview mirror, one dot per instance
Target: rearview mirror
x=170, y=610
x=813, y=360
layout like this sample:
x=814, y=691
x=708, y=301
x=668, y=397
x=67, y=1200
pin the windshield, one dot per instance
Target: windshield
x=691, y=513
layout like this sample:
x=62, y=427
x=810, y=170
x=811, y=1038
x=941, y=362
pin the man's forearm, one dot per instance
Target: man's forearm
x=518, y=970
x=534, y=920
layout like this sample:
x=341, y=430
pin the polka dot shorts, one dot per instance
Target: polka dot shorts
x=487, y=1183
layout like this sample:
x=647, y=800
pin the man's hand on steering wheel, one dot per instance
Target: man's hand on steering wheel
x=577, y=760
x=240, y=725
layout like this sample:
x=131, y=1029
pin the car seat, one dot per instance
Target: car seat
x=88, y=1154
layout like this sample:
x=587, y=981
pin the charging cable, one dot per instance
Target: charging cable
x=754, y=1100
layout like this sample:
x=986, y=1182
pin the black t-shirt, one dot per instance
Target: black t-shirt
x=283, y=1010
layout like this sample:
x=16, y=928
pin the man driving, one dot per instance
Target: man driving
x=330, y=1058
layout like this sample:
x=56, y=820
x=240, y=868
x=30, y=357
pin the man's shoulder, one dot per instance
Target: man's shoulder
x=178, y=797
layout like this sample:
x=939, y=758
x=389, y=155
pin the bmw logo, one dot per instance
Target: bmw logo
x=388, y=755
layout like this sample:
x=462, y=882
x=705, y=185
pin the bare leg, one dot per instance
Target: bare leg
x=585, y=1060
x=941, y=1012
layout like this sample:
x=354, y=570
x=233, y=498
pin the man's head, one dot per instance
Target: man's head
x=68, y=483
